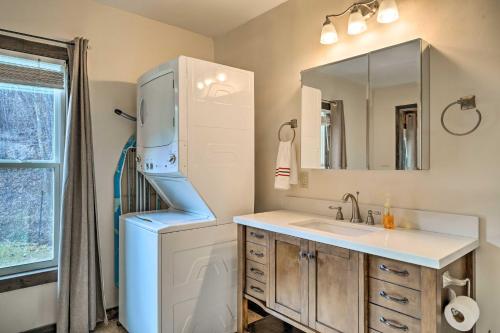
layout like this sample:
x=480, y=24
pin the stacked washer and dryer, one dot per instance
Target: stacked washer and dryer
x=195, y=146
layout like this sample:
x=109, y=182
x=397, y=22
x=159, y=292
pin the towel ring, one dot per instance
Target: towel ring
x=466, y=103
x=292, y=123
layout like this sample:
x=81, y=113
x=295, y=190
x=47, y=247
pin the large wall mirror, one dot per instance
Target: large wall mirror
x=368, y=112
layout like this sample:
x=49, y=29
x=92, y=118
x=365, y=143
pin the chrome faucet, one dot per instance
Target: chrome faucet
x=356, y=216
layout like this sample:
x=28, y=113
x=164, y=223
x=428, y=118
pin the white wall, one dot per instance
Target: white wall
x=123, y=46
x=465, y=171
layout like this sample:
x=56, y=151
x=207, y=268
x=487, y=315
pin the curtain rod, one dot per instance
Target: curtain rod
x=38, y=37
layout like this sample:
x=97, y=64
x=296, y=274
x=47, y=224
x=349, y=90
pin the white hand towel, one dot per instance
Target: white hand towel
x=286, y=166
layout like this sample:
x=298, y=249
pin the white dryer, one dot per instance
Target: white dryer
x=195, y=145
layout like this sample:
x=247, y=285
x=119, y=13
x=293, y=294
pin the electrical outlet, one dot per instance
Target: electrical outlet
x=304, y=179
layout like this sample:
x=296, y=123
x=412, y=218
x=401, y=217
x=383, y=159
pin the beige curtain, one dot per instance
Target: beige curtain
x=80, y=287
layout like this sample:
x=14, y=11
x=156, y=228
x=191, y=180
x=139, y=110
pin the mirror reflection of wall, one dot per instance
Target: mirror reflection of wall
x=394, y=96
x=334, y=115
x=368, y=112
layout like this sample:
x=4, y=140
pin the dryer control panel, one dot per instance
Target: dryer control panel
x=158, y=160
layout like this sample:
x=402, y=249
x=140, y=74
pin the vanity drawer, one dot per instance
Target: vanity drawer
x=401, y=273
x=256, y=289
x=401, y=299
x=256, y=271
x=257, y=236
x=257, y=253
x=388, y=321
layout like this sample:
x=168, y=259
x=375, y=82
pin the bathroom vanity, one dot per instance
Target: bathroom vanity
x=319, y=274
x=322, y=275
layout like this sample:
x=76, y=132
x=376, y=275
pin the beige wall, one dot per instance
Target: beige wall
x=123, y=46
x=353, y=95
x=383, y=122
x=465, y=171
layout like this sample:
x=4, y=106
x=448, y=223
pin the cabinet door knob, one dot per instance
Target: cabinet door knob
x=311, y=256
x=384, y=268
x=393, y=324
x=400, y=300
x=302, y=254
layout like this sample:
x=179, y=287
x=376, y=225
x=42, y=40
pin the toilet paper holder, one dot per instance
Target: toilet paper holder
x=449, y=280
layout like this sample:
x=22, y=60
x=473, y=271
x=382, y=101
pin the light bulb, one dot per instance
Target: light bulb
x=357, y=23
x=328, y=33
x=388, y=11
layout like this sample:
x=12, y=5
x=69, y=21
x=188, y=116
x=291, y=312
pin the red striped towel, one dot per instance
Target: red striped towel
x=286, y=166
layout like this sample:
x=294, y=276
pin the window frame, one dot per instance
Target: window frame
x=56, y=164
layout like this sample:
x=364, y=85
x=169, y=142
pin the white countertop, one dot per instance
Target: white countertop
x=430, y=249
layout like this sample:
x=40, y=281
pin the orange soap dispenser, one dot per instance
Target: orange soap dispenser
x=388, y=218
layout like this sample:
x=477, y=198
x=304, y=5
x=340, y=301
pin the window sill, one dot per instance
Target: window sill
x=29, y=279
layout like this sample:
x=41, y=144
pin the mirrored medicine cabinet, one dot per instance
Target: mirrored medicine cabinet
x=368, y=112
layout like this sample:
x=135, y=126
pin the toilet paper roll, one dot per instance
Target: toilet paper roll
x=462, y=313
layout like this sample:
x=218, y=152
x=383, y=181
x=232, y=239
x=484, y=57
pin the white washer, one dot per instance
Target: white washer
x=177, y=274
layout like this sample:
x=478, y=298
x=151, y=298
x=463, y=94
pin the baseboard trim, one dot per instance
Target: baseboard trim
x=111, y=312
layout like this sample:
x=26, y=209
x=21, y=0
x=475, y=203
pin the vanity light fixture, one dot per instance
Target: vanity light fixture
x=328, y=33
x=388, y=11
x=357, y=23
x=359, y=13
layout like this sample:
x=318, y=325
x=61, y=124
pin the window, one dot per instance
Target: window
x=32, y=108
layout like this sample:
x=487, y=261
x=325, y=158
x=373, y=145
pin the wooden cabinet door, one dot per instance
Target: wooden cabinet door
x=288, y=276
x=334, y=289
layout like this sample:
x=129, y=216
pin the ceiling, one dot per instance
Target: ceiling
x=208, y=17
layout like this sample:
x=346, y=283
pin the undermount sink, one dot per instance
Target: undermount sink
x=335, y=228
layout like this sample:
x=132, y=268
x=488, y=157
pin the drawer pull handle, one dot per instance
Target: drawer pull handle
x=256, y=235
x=393, y=324
x=257, y=289
x=256, y=271
x=400, y=300
x=311, y=256
x=302, y=254
x=384, y=268
x=257, y=254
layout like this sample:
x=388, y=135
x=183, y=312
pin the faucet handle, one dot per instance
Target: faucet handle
x=369, y=219
x=339, y=216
